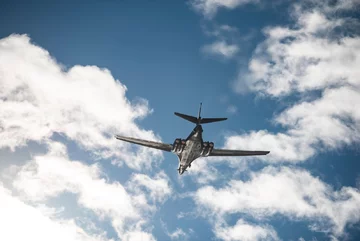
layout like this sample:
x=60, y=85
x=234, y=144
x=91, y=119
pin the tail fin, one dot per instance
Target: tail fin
x=199, y=120
x=199, y=117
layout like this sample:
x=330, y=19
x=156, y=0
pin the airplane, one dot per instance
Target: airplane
x=193, y=146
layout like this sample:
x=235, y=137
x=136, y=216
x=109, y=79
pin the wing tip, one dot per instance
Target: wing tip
x=119, y=137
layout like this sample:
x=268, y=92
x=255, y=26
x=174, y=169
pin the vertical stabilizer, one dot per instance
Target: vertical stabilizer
x=199, y=117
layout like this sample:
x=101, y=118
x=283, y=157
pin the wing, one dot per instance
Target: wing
x=152, y=144
x=222, y=152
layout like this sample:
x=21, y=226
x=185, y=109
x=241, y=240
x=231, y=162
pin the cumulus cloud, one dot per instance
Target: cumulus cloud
x=315, y=62
x=306, y=198
x=138, y=235
x=158, y=187
x=246, y=232
x=85, y=104
x=49, y=175
x=202, y=172
x=318, y=52
x=321, y=52
x=299, y=60
x=177, y=234
x=231, y=109
x=221, y=48
x=225, y=43
x=20, y=221
x=209, y=7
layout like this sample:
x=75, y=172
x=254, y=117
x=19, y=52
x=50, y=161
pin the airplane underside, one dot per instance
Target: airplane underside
x=193, y=146
x=189, y=150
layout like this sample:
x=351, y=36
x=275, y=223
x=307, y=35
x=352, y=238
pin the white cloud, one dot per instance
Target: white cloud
x=138, y=235
x=51, y=174
x=310, y=55
x=282, y=66
x=85, y=104
x=232, y=109
x=246, y=232
x=292, y=193
x=177, y=234
x=20, y=221
x=318, y=58
x=158, y=188
x=282, y=146
x=209, y=7
x=202, y=172
x=320, y=53
x=219, y=31
x=221, y=48
x=329, y=122
x=226, y=41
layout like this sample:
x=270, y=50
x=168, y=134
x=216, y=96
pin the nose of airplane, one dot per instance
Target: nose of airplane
x=181, y=170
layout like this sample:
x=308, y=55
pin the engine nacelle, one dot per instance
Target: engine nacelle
x=178, y=146
x=206, y=148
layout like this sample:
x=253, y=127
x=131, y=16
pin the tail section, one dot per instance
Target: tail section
x=192, y=119
x=209, y=120
x=199, y=120
x=199, y=117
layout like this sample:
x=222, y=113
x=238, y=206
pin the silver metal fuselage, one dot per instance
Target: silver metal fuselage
x=192, y=149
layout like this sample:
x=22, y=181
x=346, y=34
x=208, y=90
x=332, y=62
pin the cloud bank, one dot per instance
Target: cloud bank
x=24, y=222
x=85, y=104
x=316, y=59
x=294, y=193
x=40, y=101
x=47, y=176
x=312, y=64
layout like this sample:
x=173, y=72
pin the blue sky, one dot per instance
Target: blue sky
x=285, y=74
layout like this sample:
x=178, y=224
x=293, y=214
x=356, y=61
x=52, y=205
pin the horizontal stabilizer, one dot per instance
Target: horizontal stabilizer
x=195, y=120
x=209, y=120
x=192, y=119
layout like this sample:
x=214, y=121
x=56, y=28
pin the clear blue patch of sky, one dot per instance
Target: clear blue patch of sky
x=337, y=167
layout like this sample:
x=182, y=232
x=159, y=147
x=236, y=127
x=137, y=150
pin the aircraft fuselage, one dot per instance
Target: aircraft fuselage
x=193, y=148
